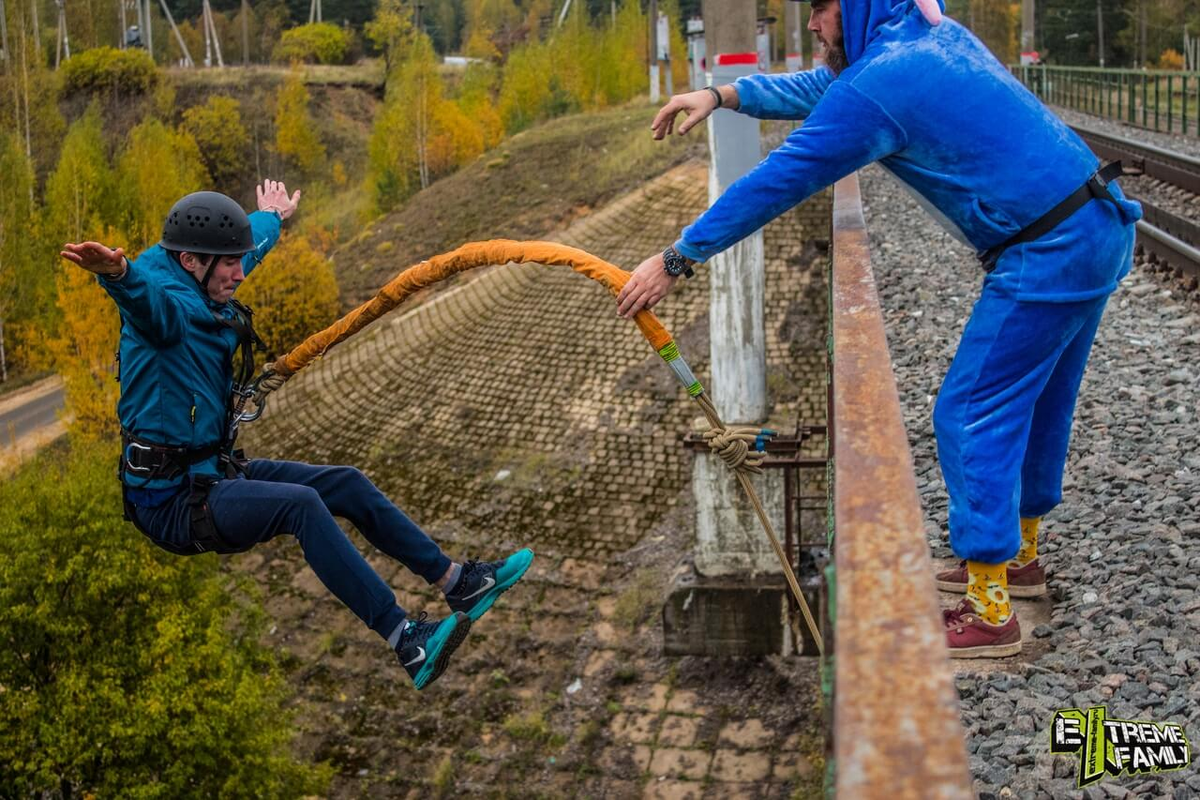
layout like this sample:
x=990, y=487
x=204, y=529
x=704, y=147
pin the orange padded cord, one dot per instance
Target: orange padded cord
x=469, y=256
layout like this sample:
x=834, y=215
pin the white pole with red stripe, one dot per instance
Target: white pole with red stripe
x=729, y=541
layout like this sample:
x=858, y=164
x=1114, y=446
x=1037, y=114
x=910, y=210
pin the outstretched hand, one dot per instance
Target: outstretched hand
x=273, y=196
x=697, y=105
x=648, y=284
x=96, y=258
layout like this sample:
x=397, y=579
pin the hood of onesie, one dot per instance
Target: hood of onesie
x=863, y=21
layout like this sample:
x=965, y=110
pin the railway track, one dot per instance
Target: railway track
x=1165, y=238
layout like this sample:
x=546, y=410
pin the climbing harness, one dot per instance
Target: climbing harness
x=147, y=461
x=742, y=449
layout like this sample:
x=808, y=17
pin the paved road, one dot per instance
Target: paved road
x=26, y=418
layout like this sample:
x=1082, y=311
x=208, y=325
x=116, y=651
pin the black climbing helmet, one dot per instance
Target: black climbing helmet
x=207, y=223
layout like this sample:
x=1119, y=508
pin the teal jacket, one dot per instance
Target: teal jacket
x=176, y=367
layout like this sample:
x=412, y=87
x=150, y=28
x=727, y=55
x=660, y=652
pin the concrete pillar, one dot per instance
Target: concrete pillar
x=793, y=36
x=1027, y=23
x=729, y=538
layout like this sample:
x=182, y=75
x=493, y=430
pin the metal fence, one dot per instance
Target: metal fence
x=1160, y=100
x=897, y=732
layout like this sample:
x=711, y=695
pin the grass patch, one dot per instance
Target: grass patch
x=530, y=727
x=443, y=777
x=636, y=604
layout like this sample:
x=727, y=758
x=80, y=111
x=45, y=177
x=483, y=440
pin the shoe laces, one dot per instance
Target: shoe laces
x=958, y=615
x=417, y=627
x=470, y=566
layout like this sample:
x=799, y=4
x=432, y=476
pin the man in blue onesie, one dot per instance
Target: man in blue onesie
x=186, y=488
x=920, y=95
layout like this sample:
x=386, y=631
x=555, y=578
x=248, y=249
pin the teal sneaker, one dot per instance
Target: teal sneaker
x=482, y=582
x=425, y=648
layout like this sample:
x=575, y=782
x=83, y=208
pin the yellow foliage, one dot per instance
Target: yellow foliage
x=79, y=190
x=218, y=130
x=294, y=293
x=338, y=174
x=295, y=138
x=1170, y=59
x=84, y=348
x=158, y=167
x=480, y=45
x=454, y=140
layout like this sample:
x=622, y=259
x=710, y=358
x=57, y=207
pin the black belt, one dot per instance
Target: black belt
x=1096, y=187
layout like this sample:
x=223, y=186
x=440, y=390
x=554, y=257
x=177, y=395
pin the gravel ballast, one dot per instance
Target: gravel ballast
x=1122, y=551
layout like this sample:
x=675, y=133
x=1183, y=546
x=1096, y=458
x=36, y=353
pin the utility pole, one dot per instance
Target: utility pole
x=183, y=48
x=149, y=29
x=245, y=33
x=1027, y=17
x=1100, y=30
x=4, y=36
x=63, y=42
x=654, y=93
x=793, y=49
x=211, y=42
x=727, y=540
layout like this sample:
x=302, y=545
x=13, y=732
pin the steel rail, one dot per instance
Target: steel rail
x=1169, y=238
x=897, y=732
x=1154, y=162
x=1168, y=249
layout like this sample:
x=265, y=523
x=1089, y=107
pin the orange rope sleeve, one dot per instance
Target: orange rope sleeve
x=469, y=256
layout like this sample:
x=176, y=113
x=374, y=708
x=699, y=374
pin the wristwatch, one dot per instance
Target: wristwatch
x=675, y=264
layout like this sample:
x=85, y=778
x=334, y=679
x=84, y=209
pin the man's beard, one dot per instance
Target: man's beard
x=835, y=56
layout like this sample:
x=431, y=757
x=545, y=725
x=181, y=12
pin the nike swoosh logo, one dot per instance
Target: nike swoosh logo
x=488, y=583
x=420, y=657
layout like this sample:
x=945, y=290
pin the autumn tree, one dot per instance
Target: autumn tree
x=389, y=30
x=294, y=293
x=79, y=192
x=222, y=138
x=295, y=139
x=84, y=348
x=157, y=167
x=126, y=671
x=17, y=246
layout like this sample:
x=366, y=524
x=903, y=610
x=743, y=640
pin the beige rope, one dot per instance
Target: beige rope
x=732, y=445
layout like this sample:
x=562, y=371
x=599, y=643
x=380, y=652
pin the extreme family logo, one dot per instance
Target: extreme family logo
x=1112, y=746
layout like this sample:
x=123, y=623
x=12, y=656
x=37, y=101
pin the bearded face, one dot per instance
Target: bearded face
x=826, y=23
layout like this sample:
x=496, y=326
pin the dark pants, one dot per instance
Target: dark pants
x=277, y=497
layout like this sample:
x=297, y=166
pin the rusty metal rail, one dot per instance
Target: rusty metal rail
x=897, y=732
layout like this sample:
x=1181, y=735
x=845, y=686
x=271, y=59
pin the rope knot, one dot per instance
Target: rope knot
x=742, y=449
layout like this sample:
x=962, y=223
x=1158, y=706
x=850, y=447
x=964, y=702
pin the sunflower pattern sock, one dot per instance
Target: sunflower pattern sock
x=987, y=589
x=1029, y=536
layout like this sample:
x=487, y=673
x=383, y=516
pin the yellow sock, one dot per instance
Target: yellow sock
x=1029, y=534
x=987, y=589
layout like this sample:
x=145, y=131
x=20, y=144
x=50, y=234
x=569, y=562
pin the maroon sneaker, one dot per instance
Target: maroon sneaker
x=968, y=636
x=1026, y=581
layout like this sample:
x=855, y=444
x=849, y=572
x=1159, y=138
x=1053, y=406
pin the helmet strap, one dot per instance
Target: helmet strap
x=209, y=267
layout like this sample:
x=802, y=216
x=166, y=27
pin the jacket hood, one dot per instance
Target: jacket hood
x=864, y=20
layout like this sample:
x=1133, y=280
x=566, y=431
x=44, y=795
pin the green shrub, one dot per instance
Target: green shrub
x=126, y=671
x=319, y=43
x=222, y=138
x=102, y=69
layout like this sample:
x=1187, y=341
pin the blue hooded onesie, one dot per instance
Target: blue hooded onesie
x=934, y=107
